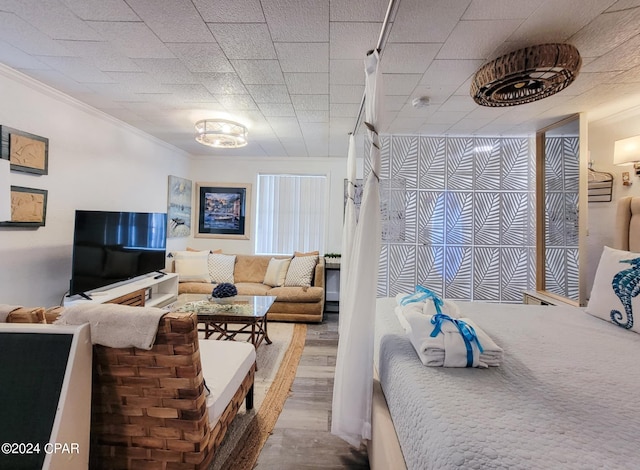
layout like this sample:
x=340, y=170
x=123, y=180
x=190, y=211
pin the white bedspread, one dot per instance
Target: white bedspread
x=567, y=395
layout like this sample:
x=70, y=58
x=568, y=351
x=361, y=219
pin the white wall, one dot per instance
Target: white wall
x=602, y=135
x=246, y=170
x=95, y=162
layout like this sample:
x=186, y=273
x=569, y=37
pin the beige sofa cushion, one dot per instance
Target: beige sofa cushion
x=252, y=288
x=297, y=294
x=276, y=272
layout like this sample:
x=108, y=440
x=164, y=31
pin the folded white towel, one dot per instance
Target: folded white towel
x=116, y=326
x=448, y=349
x=428, y=306
x=5, y=310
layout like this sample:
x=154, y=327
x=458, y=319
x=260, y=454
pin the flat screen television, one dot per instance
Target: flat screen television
x=111, y=247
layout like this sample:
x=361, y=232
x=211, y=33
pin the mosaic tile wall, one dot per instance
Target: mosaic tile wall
x=561, y=215
x=458, y=216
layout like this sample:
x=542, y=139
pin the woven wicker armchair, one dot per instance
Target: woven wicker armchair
x=149, y=407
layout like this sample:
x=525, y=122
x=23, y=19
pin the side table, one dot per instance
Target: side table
x=331, y=286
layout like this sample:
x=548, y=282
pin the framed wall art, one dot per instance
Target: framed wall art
x=223, y=210
x=28, y=207
x=26, y=152
x=179, y=207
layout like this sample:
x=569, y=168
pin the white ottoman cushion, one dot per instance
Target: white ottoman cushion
x=224, y=366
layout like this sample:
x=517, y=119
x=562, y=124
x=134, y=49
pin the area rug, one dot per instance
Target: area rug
x=277, y=364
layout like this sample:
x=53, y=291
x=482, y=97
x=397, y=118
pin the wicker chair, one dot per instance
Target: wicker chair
x=149, y=407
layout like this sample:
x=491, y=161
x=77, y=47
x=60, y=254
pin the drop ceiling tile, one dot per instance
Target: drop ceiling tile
x=344, y=110
x=136, y=81
x=400, y=84
x=189, y=92
x=341, y=126
x=201, y=57
x=346, y=93
x=314, y=116
x=244, y=40
x=458, y=103
x=118, y=91
x=230, y=11
x=272, y=147
x=395, y=102
x=408, y=110
x=433, y=129
x=102, y=10
x=476, y=39
x=310, y=102
x=408, y=58
x=77, y=69
x=557, y=21
x=134, y=40
x=277, y=109
x=295, y=148
x=501, y=9
x=102, y=55
x=608, y=32
x=353, y=40
x=20, y=34
x=623, y=5
x=297, y=20
x=59, y=81
x=338, y=146
x=422, y=21
x=53, y=19
x=630, y=76
x=450, y=71
x=446, y=117
x=346, y=72
x=359, y=10
x=285, y=126
x=266, y=72
x=303, y=56
x=237, y=102
x=269, y=93
x=222, y=83
x=174, y=21
x=469, y=126
x=169, y=71
x=404, y=125
x=18, y=59
x=307, y=83
x=164, y=101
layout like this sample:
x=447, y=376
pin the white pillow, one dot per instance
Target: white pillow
x=300, y=272
x=191, y=266
x=221, y=268
x=618, y=275
x=276, y=272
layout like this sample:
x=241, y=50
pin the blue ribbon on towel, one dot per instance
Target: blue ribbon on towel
x=422, y=293
x=466, y=331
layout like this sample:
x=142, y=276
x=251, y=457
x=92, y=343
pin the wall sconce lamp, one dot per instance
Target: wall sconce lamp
x=627, y=152
x=5, y=191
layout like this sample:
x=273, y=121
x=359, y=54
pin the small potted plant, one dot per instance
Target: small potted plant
x=332, y=257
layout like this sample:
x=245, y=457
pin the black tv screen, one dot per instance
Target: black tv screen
x=110, y=247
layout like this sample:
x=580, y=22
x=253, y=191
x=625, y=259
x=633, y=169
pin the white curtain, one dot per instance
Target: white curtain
x=348, y=227
x=353, y=384
x=290, y=214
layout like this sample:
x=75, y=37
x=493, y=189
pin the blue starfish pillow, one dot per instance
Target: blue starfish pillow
x=614, y=296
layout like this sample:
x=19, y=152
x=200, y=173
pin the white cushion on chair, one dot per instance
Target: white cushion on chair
x=224, y=366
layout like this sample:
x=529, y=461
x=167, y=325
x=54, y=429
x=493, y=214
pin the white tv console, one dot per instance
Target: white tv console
x=159, y=291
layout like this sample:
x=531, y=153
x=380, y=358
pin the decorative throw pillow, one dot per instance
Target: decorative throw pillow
x=192, y=266
x=276, y=272
x=615, y=289
x=311, y=253
x=221, y=268
x=300, y=272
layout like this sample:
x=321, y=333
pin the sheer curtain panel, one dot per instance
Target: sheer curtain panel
x=291, y=213
x=353, y=384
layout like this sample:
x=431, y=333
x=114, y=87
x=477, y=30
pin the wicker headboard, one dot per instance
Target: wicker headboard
x=627, y=235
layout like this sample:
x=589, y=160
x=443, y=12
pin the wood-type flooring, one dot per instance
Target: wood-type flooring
x=302, y=436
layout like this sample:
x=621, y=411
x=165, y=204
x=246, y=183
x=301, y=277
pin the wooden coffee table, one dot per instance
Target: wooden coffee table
x=226, y=318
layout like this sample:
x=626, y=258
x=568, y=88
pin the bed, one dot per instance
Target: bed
x=564, y=397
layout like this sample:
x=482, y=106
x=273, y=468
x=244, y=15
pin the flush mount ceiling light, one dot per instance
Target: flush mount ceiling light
x=526, y=75
x=220, y=133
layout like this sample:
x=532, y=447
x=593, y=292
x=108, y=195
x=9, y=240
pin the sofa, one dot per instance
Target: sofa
x=167, y=407
x=298, y=299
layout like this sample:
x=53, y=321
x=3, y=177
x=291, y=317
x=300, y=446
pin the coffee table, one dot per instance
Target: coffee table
x=228, y=317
